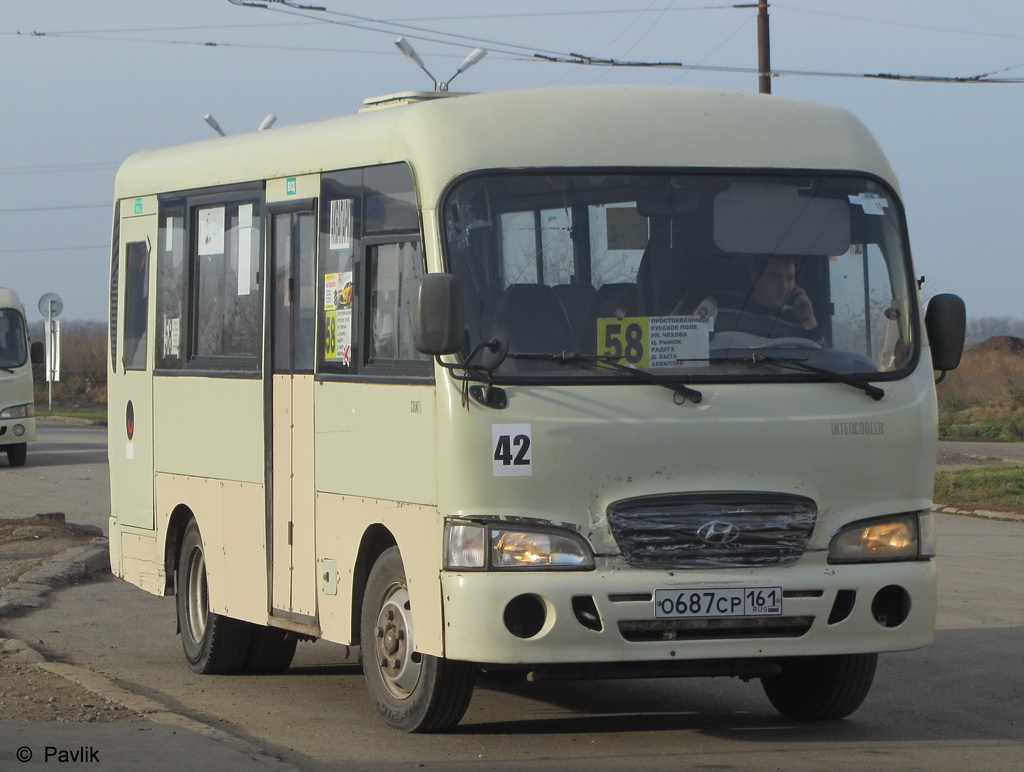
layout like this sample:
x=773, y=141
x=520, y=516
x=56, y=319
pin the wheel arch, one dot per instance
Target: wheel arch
x=180, y=517
x=376, y=539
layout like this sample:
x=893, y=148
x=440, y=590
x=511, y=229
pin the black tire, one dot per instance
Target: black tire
x=270, y=650
x=17, y=454
x=213, y=644
x=411, y=692
x=821, y=688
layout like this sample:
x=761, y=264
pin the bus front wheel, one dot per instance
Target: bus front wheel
x=821, y=688
x=412, y=692
x=213, y=643
x=17, y=454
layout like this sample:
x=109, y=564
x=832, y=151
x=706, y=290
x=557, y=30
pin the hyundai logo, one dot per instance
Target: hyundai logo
x=718, y=533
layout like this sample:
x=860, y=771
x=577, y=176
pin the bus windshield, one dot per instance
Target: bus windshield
x=696, y=275
x=13, y=352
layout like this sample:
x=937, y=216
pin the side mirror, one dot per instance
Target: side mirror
x=438, y=315
x=37, y=353
x=946, y=323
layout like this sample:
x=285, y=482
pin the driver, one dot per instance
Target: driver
x=776, y=293
x=781, y=306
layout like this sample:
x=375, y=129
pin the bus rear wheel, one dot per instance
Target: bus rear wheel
x=17, y=454
x=412, y=692
x=821, y=688
x=270, y=650
x=213, y=644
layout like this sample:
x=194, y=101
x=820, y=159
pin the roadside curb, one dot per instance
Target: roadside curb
x=64, y=419
x=65, y=568
x=150, y=709
x=987, y=514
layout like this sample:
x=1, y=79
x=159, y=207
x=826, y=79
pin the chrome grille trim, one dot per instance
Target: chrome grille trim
x=712, y=530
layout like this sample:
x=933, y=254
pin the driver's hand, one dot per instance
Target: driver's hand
x=802, y=308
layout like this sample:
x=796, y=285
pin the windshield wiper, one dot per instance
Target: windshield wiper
x=801, y=364
x=586, y=361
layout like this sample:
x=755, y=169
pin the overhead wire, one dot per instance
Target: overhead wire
x=891, y=23
x=581, y=59
x=53, y=208
x=529, y=53
x=51, y=249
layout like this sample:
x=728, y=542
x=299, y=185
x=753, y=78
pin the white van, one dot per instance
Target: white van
x=17, y=406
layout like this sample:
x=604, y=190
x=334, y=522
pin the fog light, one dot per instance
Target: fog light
x=525, y=616
x=891, y=606
x=18, y=430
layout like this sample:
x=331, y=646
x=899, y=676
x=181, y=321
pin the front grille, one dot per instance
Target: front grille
x=648, y=631
x=710, y=530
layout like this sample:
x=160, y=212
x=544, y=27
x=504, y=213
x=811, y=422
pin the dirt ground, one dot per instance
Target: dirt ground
x=27, y=691
x=949, y=459
x=26, y=543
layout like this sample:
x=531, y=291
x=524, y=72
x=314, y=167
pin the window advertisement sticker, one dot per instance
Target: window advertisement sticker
x=244, y=249
x=338, y=317
x=211, y=231
x=341, y=224
x=512, y=450
x=172, y=337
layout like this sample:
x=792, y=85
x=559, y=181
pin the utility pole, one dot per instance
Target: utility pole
x=764, y=67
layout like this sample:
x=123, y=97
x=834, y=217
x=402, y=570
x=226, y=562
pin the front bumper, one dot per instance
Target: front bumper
x=608, y=615
x=14, y=431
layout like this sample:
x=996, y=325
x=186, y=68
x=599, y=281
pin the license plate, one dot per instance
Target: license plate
x=718, y=602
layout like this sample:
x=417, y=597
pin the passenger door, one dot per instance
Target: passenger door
x=130, y=398
x=289, y=420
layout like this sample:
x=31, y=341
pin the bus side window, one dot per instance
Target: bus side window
x=226, y=298
x=393, y=270
x=170, y=287
x=136, y=305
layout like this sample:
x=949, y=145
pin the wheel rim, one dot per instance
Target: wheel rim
x=399, y=670
x=196, y=601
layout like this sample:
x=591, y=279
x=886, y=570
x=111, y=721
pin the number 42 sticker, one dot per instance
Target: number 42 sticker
x=512, y=450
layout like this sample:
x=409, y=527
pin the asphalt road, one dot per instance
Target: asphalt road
x=956, y=705
x=66, y=472
x=1008, y=451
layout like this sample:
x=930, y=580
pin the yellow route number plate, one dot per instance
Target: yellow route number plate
x=654, y=341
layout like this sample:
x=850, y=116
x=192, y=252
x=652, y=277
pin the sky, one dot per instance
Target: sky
x=86, y=84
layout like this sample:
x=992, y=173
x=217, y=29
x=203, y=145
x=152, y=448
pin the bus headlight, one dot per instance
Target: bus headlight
x=503, y=547
x=18, y=411
x=909, y=536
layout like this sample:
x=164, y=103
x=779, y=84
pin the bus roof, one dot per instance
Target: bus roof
x=9, y=299
x=590, y=126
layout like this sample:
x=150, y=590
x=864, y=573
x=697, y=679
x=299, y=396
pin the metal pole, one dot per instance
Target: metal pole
x=764, y=67
x=50, y=352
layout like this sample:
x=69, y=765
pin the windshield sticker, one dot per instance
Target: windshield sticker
x=512, y=450
x=871, y=203
x=656, y=341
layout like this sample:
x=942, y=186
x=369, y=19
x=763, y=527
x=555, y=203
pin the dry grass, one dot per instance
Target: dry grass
x=998, y=488
x=83, y=368
x=984, y=397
